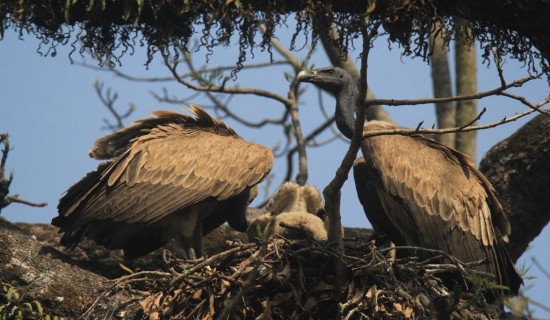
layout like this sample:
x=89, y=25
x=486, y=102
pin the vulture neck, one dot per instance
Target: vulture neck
x=345, y=109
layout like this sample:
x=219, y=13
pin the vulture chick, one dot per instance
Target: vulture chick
x=168, y=180
x=295, y=212
x=418, y=192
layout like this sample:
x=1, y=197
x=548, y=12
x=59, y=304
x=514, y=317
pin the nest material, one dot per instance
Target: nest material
x=298, y=280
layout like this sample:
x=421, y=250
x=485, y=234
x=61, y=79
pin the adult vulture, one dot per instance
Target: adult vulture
x=169, y=179
x=421, y=193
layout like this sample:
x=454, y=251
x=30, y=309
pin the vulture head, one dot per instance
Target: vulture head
x=341, y=84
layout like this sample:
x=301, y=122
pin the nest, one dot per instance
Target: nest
x=285, y=279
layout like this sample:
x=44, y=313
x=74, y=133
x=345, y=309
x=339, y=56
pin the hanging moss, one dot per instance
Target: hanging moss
x=110, y=29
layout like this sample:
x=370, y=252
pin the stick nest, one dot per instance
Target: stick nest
x=299, y=280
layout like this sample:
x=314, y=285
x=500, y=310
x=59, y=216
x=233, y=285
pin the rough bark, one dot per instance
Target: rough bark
x=466, y=84
x=519, y=169
x=60, y=285
x=442, y=87
x=71, y=284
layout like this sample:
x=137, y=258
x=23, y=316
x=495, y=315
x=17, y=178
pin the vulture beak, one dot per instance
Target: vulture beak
x=306, y=76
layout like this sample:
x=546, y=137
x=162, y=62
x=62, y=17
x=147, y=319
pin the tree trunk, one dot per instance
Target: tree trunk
x=466, y=83
x=442, y=87
x=329, y=38
x=519, y=169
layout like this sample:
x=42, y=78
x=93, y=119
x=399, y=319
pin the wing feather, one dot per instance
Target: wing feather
x=168, y=169
x=162, y=182
x=433, y=179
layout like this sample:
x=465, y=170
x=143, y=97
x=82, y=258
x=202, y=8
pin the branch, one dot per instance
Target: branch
x=209, y=261
x=214, y=88
x=448, y=130
x=228, y=113
x=108, y=99
x=15, y=198
x=479, y=95
x=129, y=77
x=6, y=200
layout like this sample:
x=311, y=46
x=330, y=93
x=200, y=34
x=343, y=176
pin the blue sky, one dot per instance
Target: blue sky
x=53, y=116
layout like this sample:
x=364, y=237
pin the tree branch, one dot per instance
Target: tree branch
x=214, y=88
x=479, y=95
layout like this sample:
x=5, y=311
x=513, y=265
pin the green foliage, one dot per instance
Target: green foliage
x=481, y=285
x=13, y=307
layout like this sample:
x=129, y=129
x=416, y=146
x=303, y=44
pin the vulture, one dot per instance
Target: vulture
x=418, y=192
x=296, y=212
x=170, y=180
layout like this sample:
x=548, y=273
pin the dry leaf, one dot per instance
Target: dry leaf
x=212, y=309
x=151, y=306
x=323, y=286
x=409, y=312
x=169, y=303
x=281, y=297
x=310, y=303
x=197, y=294
x=397, y=307
x=224, y=285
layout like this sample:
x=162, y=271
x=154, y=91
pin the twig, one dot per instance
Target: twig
x=288, y=56
x=15, y=198
x=541, y=268
x=210, y=260
x=108, y=99
x=474, y=120
x=4, y=139
x=448, y=130
x=539, y=305
x=526, y=102
x=6, y=200
x=129, y=77
x=479, y=95
x=221, y=106
x=257, y=260
x=223, y=89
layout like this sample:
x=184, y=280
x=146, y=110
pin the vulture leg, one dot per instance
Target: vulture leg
x=183, y=241
x=197, y=241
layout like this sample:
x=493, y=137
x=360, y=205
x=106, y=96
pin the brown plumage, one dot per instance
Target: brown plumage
x=169, y=179
x=420, y=193
x=433, y=198
x=295, y=213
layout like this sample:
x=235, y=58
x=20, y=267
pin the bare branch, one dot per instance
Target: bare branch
x=15, y=198
x=214, y=88
x=6, y=200
x=332, y=190
x=228, y=113
x=447, y=130
x=479, y=95
x=526, y=102
x=129, y=77
x=301, y=177
x=542, y=269
x=108, y=99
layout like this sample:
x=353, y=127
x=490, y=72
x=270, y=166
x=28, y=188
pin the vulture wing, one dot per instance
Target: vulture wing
x=436, y=199
x=162, y=166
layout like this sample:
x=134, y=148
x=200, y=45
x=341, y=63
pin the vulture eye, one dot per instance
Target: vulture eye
x=328, y=71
